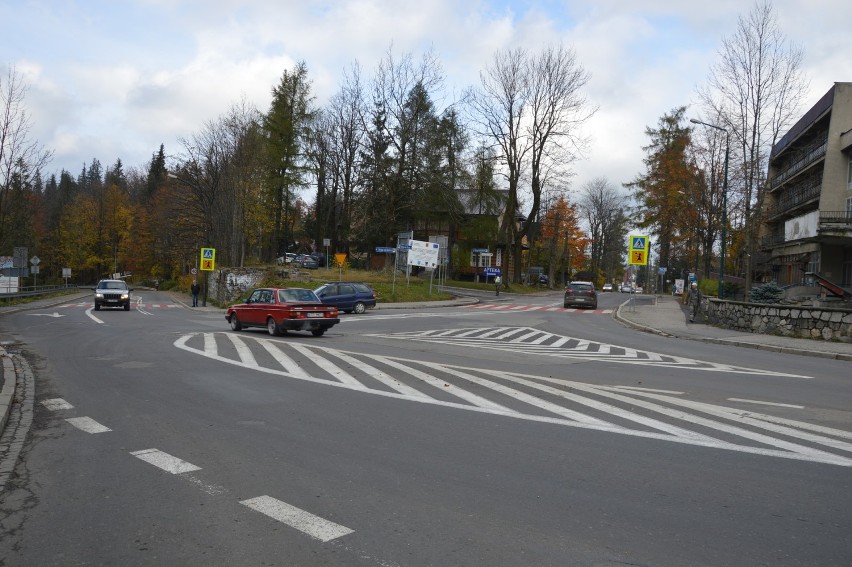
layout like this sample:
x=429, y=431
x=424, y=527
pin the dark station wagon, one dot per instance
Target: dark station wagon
x=279, y=310
x=349, y=297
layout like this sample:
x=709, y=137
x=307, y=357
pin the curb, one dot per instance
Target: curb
x=728, y=342
x=627, y=322
x=8, y=391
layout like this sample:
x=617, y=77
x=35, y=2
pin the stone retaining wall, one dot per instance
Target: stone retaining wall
x=825, y=323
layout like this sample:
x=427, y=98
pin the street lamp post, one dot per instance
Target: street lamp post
x=724, y=202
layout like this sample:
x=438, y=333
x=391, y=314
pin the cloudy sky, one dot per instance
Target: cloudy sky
x=113, y=79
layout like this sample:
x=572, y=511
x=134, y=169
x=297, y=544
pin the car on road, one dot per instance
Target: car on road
x=279, y=310
x=607, y=287
x=305, y=261
x=349, y=297
x=112, y=293
x=626, y=288
x=580, y=294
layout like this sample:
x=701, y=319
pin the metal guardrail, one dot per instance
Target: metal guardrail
x=31, y=291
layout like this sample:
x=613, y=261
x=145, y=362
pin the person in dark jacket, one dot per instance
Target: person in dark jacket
x=693, y=299
x=194, y=289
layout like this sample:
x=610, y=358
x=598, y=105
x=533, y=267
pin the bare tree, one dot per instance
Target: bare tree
x=21, y=158
x=603, y=208
x=531, y=109
x=756, y=89
x=219, y=166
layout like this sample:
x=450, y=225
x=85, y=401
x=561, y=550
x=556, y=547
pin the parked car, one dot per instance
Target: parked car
x=112, y=293
x=581, y=294
x=349, y=297
x=283, y=309
x=305, y=261
x=320, y=258
x=607, y=287
x=285, y=259
x=626, y=288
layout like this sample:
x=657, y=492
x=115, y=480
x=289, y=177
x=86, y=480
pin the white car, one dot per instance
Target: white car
x=626, y=288
x=285, y=259
x=607, y=287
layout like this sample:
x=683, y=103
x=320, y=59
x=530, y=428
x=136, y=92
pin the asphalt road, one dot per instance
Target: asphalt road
x=513, y=432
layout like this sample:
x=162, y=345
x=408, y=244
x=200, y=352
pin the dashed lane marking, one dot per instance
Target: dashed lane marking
x=305, y=522
x=56, y=404
x=88, y=425
x=165, y=461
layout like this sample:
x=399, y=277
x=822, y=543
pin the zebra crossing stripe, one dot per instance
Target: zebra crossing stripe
x=686, y=421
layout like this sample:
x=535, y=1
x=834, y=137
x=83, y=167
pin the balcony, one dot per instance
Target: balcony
x=796, y=197
x=803, y=161
x=836, y=222
x=771, y=241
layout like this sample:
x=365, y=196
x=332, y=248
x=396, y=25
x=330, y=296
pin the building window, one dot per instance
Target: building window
x=480, y=260
x=849, y=207
x=849, y=174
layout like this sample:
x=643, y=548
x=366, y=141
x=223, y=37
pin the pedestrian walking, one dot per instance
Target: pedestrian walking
x=194, y=289
x=497, y=282
x=693, y=299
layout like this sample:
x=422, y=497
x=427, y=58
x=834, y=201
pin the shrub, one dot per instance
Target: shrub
x=767, y=293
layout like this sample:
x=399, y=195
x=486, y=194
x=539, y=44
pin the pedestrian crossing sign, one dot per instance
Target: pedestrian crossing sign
x=208, y=259
x=638, y=255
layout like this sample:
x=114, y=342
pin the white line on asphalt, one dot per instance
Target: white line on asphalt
x=244, y=352
x=305, y=522
x=56, y=404
x=670, y=392
x=165, y=461
x=87, y=424
x=331, y=368
x=765, y=403
x=92, y=317
x=692, y=438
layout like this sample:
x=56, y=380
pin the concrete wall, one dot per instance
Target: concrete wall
x=228, y=284
x=824, y=323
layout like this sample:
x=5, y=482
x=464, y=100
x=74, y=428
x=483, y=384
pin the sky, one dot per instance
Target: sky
x=114, y=79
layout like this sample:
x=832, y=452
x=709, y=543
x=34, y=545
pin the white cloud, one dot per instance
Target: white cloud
x=103, y=88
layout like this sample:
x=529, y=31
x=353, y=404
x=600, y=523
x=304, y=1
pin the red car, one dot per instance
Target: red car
x=281, y=310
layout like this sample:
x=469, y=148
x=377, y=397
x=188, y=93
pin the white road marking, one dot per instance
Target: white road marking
x=54, y=314
x=765, y=403
x=92, y=317
x=305, y=522
x=87, y=424
x=754, y=430
x=331, y=368
x=165, y=461
x=670, y=392
x=494, y=338
x=243, y=351
x=56, y=404
x=139, y=307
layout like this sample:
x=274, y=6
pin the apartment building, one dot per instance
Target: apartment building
x=808, y=207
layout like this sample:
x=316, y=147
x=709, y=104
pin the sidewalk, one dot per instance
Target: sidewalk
x=664, y=315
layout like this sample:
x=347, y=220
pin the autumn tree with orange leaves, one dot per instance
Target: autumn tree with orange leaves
x=663, y=192
x=562, y=239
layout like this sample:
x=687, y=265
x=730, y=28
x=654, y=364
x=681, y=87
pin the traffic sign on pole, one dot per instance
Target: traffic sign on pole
x=638, y=254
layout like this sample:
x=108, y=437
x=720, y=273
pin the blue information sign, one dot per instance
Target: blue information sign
x=385, y=249
x=492, y=271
